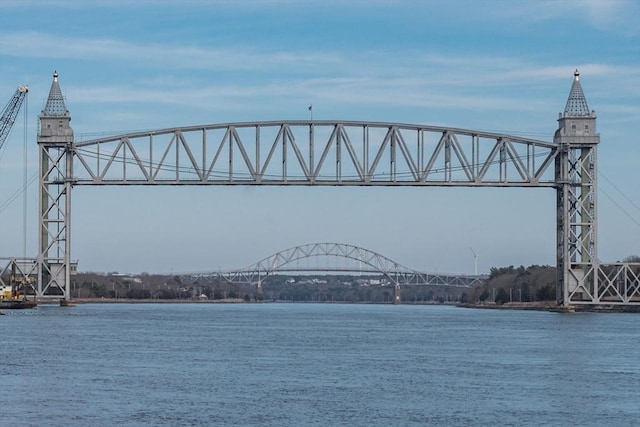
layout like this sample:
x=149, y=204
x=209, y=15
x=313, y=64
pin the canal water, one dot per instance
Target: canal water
x=316, y=365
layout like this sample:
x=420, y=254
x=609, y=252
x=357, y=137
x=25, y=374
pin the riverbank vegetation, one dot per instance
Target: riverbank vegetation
x=504, y=284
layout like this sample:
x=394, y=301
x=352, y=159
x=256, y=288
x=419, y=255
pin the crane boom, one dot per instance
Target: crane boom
x=11, y=111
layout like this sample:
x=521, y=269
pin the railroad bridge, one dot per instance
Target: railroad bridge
x=338, y=153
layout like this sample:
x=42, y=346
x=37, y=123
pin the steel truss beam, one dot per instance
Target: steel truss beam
x=315, y=153
x=604, y=284
x=396, y=273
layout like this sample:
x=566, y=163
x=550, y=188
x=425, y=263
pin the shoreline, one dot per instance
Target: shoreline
x=142, y=301
x=535, y=306
x=546, y=306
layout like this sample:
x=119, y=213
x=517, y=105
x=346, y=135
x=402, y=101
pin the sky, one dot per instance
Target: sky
x=495, y=65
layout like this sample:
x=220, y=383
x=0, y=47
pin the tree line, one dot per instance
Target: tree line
x=505, y=284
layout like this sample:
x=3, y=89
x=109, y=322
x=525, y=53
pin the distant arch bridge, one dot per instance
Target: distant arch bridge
x=369, y=262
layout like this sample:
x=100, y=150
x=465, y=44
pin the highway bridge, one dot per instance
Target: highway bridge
x=364, y=261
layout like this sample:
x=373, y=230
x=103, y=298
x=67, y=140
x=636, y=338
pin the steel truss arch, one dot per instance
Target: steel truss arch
x=395, y=272
x=315, y=153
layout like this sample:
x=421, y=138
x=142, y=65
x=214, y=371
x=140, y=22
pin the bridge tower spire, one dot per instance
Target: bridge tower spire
x=577, y=258
x=55, y=142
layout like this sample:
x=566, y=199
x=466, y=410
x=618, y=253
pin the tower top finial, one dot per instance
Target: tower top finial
x=577, y=103
x=55, y=106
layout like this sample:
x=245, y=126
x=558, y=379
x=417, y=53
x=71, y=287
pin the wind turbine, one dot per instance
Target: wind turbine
x=475, y=261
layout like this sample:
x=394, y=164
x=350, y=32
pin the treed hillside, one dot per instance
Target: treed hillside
x=518, y=284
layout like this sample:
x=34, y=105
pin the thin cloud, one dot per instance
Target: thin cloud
x=42, y=45
x=619, y=16
x=442, y=70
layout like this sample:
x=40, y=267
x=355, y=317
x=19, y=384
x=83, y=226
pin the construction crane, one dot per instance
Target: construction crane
x=7, y=119
x=10, y=112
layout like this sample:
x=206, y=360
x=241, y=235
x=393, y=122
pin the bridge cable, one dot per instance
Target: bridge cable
x=5, y=205
x=636, y=221
x=619, y=191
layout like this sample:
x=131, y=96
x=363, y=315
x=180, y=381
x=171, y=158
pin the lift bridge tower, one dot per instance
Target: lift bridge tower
x=582, y=278
x=55, y=142
x=577, y=140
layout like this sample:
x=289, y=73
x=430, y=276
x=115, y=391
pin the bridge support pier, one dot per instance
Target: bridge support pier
x=259, y=294
x=396, y=294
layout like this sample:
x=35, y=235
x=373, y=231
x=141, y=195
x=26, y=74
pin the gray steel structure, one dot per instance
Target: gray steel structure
x=19, y=271
x=55, y=142
x=373, y=262
x=338, y=153
x=582, y=278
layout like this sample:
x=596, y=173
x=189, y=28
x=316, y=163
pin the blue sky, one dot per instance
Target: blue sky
x=493, y=65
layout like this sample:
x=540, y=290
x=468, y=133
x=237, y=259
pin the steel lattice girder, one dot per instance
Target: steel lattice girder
x=617, y=284
x=315, y=153
x=24, y=270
